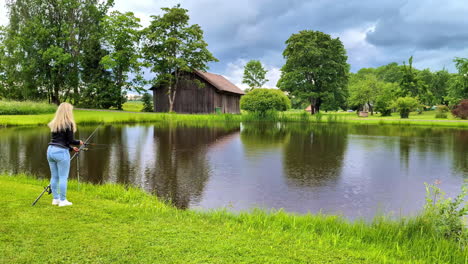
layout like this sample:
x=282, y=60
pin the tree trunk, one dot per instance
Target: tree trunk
x=370, y=108
x=312, y=105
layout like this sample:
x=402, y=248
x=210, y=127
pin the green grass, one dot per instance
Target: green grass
x=25, y=108
x=116, y=117
x=117, y=224
x=133, y=106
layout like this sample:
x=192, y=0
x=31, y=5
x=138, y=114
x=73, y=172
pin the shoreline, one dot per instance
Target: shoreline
x=91, y=116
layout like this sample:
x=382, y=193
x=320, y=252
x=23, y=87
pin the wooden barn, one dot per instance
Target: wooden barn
x=216, y=94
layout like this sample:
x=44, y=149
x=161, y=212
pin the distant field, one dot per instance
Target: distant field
x=133, y=106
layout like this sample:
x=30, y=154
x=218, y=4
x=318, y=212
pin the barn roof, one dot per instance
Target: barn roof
x=218, y=81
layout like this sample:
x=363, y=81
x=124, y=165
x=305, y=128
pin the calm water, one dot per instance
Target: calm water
x=356, y=171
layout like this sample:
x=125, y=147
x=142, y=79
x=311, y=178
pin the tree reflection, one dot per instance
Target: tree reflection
x=314, y=154
x=182, y=168
x=460, y=152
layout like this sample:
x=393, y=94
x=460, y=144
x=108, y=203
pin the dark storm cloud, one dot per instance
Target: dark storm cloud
x=374, y=32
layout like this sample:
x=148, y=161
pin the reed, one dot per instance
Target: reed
x=25, y=108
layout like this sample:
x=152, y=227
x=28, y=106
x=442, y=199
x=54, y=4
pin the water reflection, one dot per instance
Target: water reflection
x=353, y=170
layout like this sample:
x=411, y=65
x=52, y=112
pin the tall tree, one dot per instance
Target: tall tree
x=44, y=45
x=458, y=88
x=412, y=85
x=315, y=69
x=121, y=39
x=254, y=75
x=363, y=91
x=172, y=47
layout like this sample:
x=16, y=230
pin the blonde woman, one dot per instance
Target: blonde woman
x=63, y=128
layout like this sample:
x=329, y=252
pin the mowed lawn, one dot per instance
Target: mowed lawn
x=114, y=224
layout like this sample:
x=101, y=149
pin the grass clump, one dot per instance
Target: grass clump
x=119, y=224
x=25, y=108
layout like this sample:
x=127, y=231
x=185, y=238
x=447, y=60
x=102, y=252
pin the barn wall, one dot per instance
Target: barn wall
x=193, y=99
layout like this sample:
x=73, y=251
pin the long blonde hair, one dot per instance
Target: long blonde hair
x=63, y=118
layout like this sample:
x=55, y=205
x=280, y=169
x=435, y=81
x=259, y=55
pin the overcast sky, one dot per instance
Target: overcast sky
x=374, y=32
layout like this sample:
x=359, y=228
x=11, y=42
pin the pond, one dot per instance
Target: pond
x=352, y=170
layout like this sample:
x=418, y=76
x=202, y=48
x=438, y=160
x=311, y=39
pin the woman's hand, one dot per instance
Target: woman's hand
x=76, y=149
x=81, y=142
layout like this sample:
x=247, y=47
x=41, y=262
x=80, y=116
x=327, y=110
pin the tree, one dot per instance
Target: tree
x=461, y=110
x=147, y=102
x=458, y=88
x=385, y=98
x=411, y=85
x=254, y=75
x=363, y=91
x=121, y=38
x=262, y=100
x=405, y=105
x=315, y=69
x=172, y=47
x=392, y=73
x=44, y=44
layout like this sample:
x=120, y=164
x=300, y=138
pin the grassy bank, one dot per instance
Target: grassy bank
x=118, y=117
x=110, y=223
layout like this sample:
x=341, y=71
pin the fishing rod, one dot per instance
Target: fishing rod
x=48, y=188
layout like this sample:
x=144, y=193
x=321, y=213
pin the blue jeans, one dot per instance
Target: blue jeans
x=59, y=162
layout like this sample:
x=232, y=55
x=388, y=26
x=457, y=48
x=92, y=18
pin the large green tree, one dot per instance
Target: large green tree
x=121, y=37
x=413, y=86
x=44, y=44
x=316, y=69
x=172, y=48
x=254, y=75
x=458, y=88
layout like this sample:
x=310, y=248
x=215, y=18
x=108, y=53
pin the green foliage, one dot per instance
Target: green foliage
x=147, y=102
x=458, y=88
x=385, y=97
x=405, y=105
x=25, y=108
x=412, y=85
x=461, y=110
x=447, y=214
x=44, y=48
x=254, y=75
x=121, y=40
x=264, y=100
x=172, y=47
x=441, y=111
x=316, y=69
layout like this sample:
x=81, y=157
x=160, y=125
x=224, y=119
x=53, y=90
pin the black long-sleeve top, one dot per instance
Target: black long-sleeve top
x=64, y=139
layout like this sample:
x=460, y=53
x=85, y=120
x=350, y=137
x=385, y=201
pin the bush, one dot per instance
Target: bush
x=147, y=103
x=264, y=100
x=441, y=111
x=461, y=110
x=446, y=213
x=405, y=105
x=25, y=108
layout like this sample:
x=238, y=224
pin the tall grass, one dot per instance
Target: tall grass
x=25, y=108
x=116, y=207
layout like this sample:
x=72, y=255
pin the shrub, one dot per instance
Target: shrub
x=25, y=108
x=447, y=214
x=441, y=111
x=405, y=105
x=264, y=100
x=147, y=103
x=461, y=110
